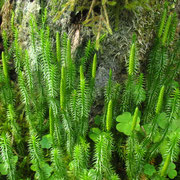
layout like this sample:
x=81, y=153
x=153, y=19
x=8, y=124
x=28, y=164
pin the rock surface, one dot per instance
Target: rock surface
x=114, y=49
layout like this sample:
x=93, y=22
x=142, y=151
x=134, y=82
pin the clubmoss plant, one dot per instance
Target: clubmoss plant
x=109, y=116
x=50, y=107
x=9, y=159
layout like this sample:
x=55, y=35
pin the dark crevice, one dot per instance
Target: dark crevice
x=79, y=17
x=1, y=44
x=0, y=20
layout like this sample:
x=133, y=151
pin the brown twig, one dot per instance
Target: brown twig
x=90, y=10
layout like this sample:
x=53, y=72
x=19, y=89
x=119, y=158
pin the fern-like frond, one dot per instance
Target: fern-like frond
x=83, y=104
x=89, y=50
x=163, y=20
x=58, y=48
x=139, y=91
x=5, y=68
x=17, y=52
x=160, y=100
x=114, y=177
x=102, y=156
x=44, y=18
x=74, y=108
x=173, y=104
x=53, y=82
x=51, y=122
x=131, y=60
x=12, y=22
x=172, y=111
x=83, y=95
x=78, y=163
x=62, y=89
x=70, y=68
x=58, y=164
x=64, y=50
x=28, y=72
x=9, y=159
x=88, y=174
x=37, y=158
x=172, y=29
x=134, y=157
x=166, y=30
x=172, y=152
x=15, y=127
x=23, y=89
x=5, y=42
x=34, y=31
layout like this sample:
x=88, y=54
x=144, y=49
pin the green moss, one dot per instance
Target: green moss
x=1, y=4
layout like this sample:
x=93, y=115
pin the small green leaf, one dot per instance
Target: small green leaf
x=3, y=169
x=94, y=134
x=125, y=125
x=33, y=168
x=15, y=159
x=157, y=137
x=162, y=147
x=147, y=128
x=111, y=3
x=124, y=128
x=172, y=166
x=149, y=169
x=125, y=117
x=172, y=173
x=162, y=120
x=47, y=169
x=46, y=141
x=175, y=125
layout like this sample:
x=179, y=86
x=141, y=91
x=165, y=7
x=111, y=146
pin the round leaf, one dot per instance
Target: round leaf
x=47, y=169
x=149, y=169
x=125, y=124
x=172, y=174
x=147, y=128
x=125, y=117
x=46, y=141
x=33, y=168
x=162, y=120
x=124, y=128
x=3, y=169
x=157, y=137
x=94, y=134
x=15, y=159
x=175, y=124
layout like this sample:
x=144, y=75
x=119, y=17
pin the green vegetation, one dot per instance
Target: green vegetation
x=1, y=4
x=47, y=130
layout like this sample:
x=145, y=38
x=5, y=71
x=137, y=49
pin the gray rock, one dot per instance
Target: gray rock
x=23, y=12
x=114, y=51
